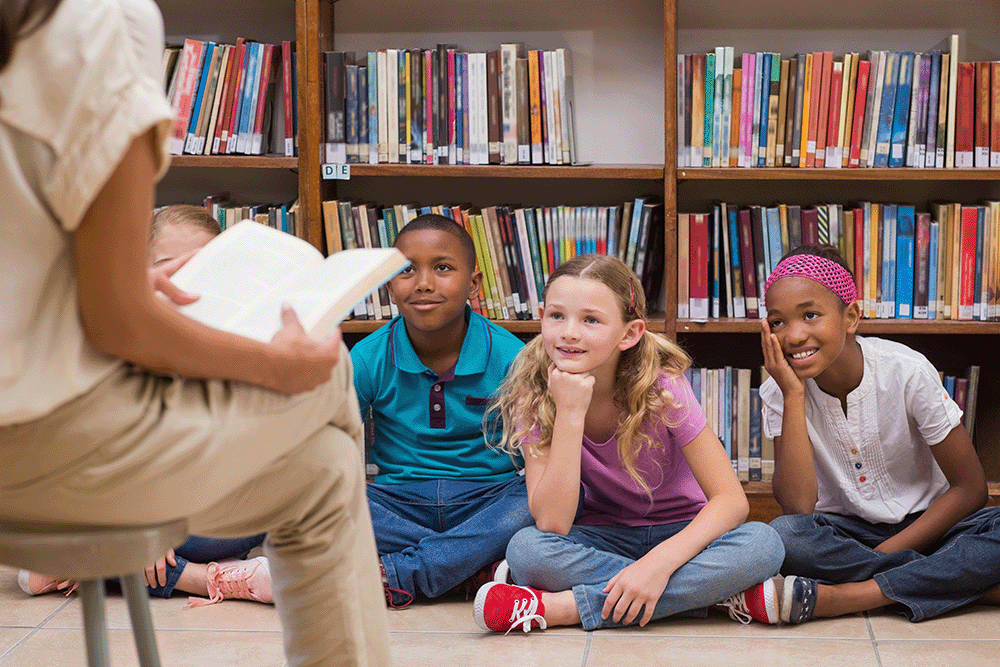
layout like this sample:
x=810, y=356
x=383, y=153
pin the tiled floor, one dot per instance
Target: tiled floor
x=46, y=631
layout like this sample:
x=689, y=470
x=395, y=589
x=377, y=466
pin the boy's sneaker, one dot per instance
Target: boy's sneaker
x=759, y=603
x=501, y=572
x=471, y=586
x=502, y=607
x=237, y=580
x=798, y=599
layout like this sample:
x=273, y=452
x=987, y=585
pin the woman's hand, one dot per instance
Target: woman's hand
x=307, y=363
x=637, y=585
x=776, y=364
x=159, y=278
x=156, y=574
x=570, y=391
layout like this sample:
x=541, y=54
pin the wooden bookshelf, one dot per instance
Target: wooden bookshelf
x=694, y=26
x=232, y=161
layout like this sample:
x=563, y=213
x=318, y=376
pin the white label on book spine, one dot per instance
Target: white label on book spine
x=995, y=159
x=963, y=159
x=904, y=310
x=920, y=312
x=811, y=146
x=965, y=312
x=338, y=172
x=289, y=147
x=982, y=156
x=897, y=151
x=524, y=154
x=882, y=148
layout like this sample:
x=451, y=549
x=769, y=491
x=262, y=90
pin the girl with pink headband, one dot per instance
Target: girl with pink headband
x=881, y=487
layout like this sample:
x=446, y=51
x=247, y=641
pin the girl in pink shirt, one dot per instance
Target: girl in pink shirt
x=638, y=512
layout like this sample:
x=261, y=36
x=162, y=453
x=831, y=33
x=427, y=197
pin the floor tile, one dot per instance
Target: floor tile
x=719, y=625
x=170, y=614
x=609, y=649
x=975, y=622
x=453, y=615
x=940, y=653
x=65, y=648
x=487, y=650
x=19, y=609
x=9, y=637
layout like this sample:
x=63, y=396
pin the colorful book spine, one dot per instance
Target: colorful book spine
x=905, y=247
x=901, y=110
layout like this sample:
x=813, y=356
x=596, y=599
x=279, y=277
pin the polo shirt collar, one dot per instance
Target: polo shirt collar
x=472, y=359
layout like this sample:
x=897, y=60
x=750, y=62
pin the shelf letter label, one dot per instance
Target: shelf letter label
x=339, y=172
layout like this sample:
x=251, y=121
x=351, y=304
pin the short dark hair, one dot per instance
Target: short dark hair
x=442, y=224
x=824, y=250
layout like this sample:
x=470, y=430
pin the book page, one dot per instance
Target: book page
x=324, y=294
x=245, y=266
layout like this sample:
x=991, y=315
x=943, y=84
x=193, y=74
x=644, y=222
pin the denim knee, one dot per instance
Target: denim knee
x=767, y=545
x=527, y=551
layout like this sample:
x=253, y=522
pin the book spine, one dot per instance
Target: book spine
x=257, y=134
x=737, y=294
x=933, y=266
x=755, y=472
x=508, y=100
x=967, y=268
x=707, y=126
x=535, y=101
x=747, y=263
x=188, y=73
x=746, y=109
x=913, y=127
x=451, y=86
x=950, y=146
x=995, y=114
x=933, y=102
x=699, y=266
x=941, y=146
x=683, y=265
x=522, y=87
x=883, y=140
x=979, y=298
x=904, y=261
x=901, y=110
x=832, y=160
x=288, y=86
x=965, y=116
x=494, y=120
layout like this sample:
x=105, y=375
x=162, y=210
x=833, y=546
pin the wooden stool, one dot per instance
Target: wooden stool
x=89, y=555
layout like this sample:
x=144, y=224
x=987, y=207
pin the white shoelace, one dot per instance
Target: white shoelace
x=523, y=613
x=738, y=610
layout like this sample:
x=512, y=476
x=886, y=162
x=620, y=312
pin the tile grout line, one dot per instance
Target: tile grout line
x=871, y=634
x=586, y=648
x=34, y=630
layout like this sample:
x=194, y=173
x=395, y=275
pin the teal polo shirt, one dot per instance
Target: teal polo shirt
x=429, y=426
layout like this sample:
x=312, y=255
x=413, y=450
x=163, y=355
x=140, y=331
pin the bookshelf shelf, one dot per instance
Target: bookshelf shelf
x=515, y=326
x=604, y=171
x=867, y=327
x=230, y=161
x=794, y=174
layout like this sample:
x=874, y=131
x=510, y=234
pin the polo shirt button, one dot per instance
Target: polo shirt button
x=437, y=387
x=437, y=407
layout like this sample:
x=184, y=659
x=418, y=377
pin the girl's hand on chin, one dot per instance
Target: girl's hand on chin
x=570, y=390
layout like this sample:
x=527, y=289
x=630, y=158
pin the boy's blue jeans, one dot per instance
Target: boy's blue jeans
x=432, y=536
x=204, y=550
x=586, y=559
x=837, y=549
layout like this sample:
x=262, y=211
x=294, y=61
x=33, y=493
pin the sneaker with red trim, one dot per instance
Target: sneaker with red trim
x=758, y=603
x=35, y=583
x=502, y=607
x=237, y=580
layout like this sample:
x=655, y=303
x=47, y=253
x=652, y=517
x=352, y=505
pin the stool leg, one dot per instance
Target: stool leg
x=134, y=589
x=95, y=629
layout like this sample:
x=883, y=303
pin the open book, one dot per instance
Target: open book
x=244, y=274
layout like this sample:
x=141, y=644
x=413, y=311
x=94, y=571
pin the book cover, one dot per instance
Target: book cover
x=522, y=240
x=774, y=237
x=978, y=296
x=523, y=111
x=493, y=118
x=971, y=399
x=351, y=111
x=933, y=265
x=847, y=107
x=888, y=265
x=760, y=121
x=871, y=108
x=289, y=89
x=755, y=447
x=534, y=98
x=415, y=109
x=810, y=105
x=770, y=130
x=746, y=109
x=256, y=133
x=737, y=292
x=733, y=152
x=361, y=109
x=681, y=108
x=801, y=113
x=905, y=246
x=209, y=122
x=373, y=107
x=920, y=135
x=697, y=134
x=950, y=147
x=901, y=110
x=779, y=139
x=188, y=78
x=748, y=460
x=942, y=150
x=760, y=254
x=792, y=85
x=251, y=95
x=336, y=130
x=221, y=140
x=247, y=301
x=715, y=66
x=403, y=110
x=725, y=130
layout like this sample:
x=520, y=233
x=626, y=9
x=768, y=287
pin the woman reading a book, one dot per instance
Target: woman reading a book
x=114, y=407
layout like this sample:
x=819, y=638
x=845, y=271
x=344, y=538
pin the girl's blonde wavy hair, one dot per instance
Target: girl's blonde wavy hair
x=524, y=403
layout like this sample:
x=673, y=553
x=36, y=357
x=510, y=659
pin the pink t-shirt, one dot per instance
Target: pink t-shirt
x=611, y=496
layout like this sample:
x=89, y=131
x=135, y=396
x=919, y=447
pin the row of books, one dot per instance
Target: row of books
x=733, y=410
x=279, y=216
x=907, y=264
x=232, y=98
x=444, y=106
x=517, y=248
x=884, y=109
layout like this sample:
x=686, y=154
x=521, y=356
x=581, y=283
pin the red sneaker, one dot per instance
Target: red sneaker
x=759, y=603
x=502, y=607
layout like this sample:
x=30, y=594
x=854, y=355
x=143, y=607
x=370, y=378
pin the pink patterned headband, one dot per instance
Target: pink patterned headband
x=827, y=273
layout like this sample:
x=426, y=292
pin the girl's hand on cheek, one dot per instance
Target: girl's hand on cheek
x=570, y=391
x=776, y=364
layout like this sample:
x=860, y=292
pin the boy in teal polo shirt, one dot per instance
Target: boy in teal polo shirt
x=444, y=503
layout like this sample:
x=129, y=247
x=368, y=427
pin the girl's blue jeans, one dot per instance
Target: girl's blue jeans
x=432, y=536
x=837, y=549
x=586, y=559
x=204, y=550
